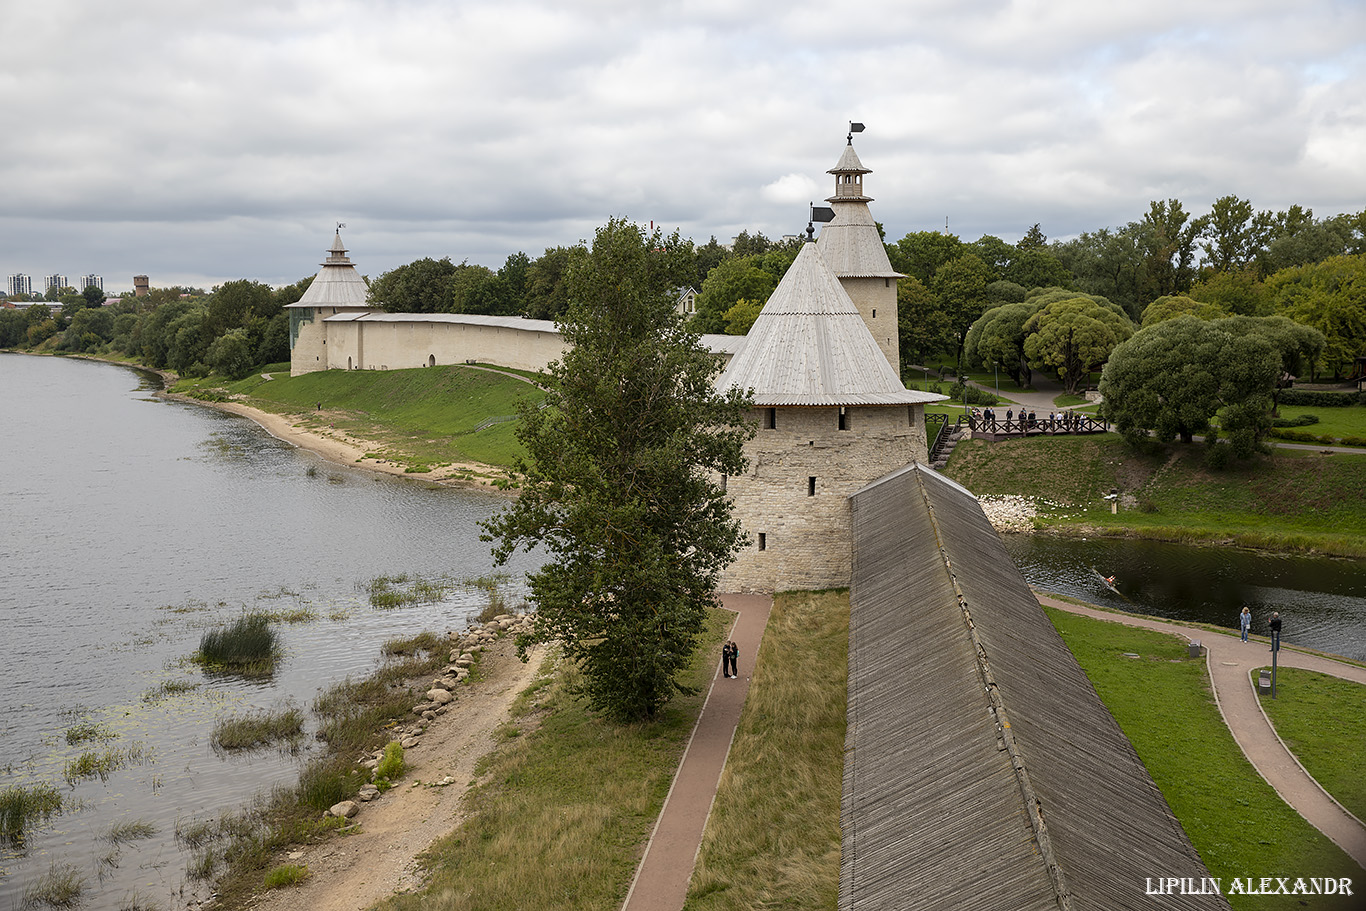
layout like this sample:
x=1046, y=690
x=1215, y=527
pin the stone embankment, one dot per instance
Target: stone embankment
x=441, y=693
x=1010, y=514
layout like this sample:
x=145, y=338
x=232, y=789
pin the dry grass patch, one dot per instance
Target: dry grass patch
x=773, y=838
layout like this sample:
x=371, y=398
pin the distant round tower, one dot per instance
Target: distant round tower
x=854, y=251
x=832, y=417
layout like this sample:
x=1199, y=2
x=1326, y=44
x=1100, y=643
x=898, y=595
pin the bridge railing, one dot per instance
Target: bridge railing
x=1067, y=422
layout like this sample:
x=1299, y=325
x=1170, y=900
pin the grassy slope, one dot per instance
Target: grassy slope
x=773, y=838
x=1322, y=720
x=1293, y=500
x=1162, y=701
x=563, y=808
x=424, y=416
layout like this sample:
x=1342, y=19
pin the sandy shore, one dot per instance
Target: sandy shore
x=344, y=449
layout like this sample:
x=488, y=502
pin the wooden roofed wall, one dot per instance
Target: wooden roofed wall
x=944, y=805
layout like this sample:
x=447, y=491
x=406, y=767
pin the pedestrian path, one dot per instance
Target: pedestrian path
x=661, y=881
x=1231, y=664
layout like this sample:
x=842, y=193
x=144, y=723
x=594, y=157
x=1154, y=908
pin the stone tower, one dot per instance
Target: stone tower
x=832, y=416
x=854, y=251
x=337, y=288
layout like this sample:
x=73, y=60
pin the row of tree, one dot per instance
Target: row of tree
x=231, y=330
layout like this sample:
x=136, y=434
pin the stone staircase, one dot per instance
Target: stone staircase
x=939, y=458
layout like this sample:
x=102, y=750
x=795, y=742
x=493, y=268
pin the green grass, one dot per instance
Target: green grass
x=126, y=830
x=565, y=804
x=87, y=731
x=391, y=766
x=1163, y=703
x=1336, y=422
x=22, y=807
x=259, y=729
x=92, y=764
x=285, y=875
x=774, y=831
x=387, y=592
x=1290, y=501
x=1322, y=720
x=247, y=646
x=421, y=418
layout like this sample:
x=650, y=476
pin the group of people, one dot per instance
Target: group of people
x=729, y=652
x=1027, y=420
x=1245, y=625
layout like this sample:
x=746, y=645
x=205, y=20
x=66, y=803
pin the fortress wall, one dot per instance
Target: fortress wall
x=309, y=351
x=806, y=536
x=401, y=344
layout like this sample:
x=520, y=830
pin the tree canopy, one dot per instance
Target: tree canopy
x=620, y=481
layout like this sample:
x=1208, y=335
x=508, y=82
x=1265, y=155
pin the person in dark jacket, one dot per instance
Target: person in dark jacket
x=1275, y=625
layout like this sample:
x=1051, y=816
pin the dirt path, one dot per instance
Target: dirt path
x=353, y=872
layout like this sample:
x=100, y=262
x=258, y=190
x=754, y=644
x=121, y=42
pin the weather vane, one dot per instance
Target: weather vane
x=340, y=225
x=854, y=128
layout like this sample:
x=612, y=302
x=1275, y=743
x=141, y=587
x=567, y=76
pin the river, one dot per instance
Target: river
x=129, y=524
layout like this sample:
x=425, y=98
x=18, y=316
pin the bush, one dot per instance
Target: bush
x=1303, y=420
x=1320, y=399
x=972, y=394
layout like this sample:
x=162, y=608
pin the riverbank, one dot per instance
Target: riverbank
x=453, y=426
x=1292, y=501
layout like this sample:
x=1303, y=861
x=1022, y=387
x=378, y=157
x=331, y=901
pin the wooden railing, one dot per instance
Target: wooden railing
x=1068, y=422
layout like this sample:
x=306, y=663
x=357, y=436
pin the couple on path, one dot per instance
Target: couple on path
x=729, y=652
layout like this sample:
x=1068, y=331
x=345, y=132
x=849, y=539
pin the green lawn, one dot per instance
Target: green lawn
x=1237, y=822
x=1322, y=720
x=424, y=417
x=1337, y=422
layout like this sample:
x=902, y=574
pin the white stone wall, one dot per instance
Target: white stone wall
x=398, y=345
x=806, y=536
x=309, y=353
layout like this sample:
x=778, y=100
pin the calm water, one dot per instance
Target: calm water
x=128, y=525
x=1322, y=602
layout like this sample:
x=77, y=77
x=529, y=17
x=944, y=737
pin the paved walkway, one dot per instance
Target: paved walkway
x=1231, y=664
x=661, y=881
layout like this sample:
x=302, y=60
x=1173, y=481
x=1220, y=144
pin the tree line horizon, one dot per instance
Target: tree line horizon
x=1233, y=261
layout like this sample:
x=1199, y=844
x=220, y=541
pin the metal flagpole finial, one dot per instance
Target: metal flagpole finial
x=854, y=128
x=340, y=225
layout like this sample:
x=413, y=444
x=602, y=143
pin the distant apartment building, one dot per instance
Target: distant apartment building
x=88, y=281
x=19, y=283
x=55, y=281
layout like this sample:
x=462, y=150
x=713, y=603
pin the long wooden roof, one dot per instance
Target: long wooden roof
x=981, y=769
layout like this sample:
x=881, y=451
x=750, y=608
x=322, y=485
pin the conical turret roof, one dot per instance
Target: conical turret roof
x=850, y=243
x=337, y=283
x=810, y=346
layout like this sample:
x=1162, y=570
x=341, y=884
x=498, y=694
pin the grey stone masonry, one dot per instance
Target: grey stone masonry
x=793, y=499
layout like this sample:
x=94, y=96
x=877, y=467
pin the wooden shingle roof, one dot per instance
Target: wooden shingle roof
x=981, y=769
x=337, y=283
x=810, y=346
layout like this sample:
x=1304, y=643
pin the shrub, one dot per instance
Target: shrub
x=1303, y=420
x=1321, y=399
x=971, y=394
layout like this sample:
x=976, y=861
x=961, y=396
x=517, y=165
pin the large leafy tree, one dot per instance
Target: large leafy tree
x=998, y=337
x=1074, y=336
x=735, y=279
x=619, y=481
x=1173, y=377
x=922, y=325
x=1331, y=297
x=961, y=286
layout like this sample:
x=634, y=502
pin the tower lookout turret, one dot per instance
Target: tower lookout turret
x=853, y=249
x=337, y=288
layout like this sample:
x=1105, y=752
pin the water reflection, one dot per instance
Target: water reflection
x=1322, y=600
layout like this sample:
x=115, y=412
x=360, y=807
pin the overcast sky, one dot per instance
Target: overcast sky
x=199, y=142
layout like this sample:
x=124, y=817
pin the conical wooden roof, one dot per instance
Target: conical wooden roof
x=337, y=283
x=810, y=346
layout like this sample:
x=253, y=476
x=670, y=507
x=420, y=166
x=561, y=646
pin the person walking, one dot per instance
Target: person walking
x=1275, y=625
x=1245, y=621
